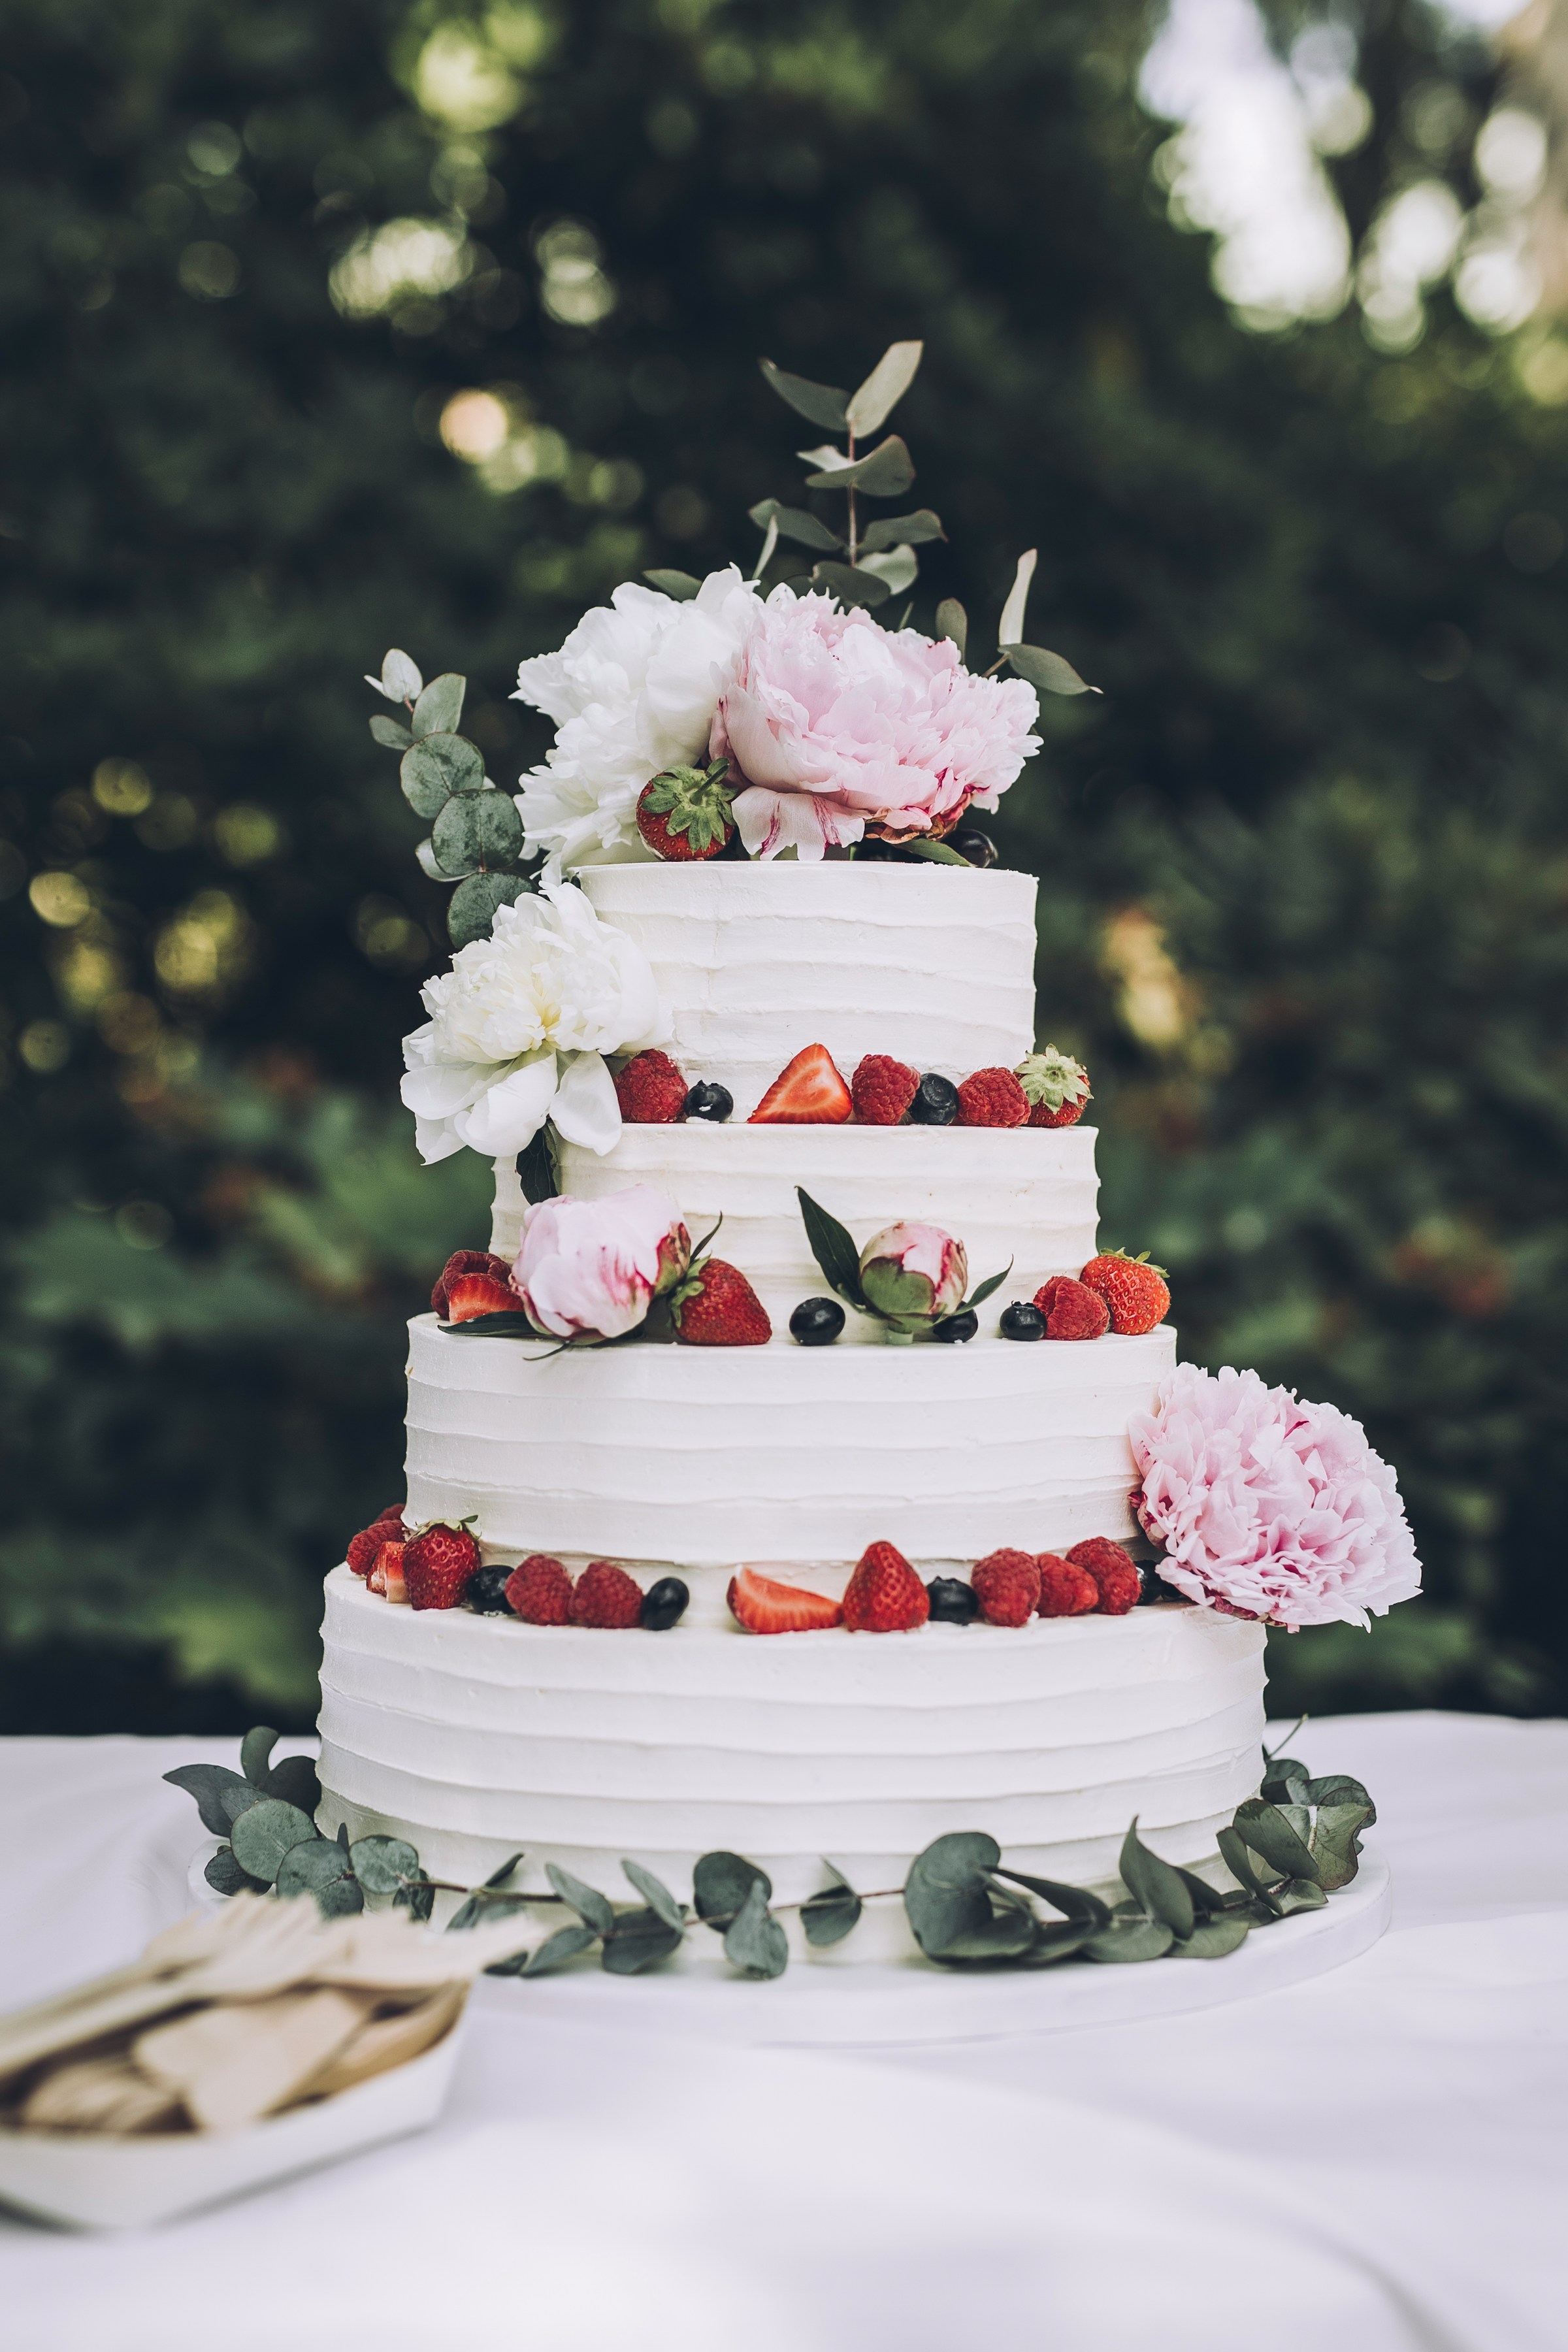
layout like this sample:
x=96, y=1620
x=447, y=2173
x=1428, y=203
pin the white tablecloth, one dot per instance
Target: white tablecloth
x=1374, y=2162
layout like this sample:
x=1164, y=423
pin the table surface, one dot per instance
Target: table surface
x=1373, y=2162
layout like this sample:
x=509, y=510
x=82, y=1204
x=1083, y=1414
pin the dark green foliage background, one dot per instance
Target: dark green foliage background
x=1345, y=1134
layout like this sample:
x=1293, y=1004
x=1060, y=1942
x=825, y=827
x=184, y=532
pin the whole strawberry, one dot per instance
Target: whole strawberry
x=882, y=1090
x=539, y=1591
x=993, y=1098
x=885, y=1595
x=687, y=813
x=1008, y=1583
x=651, y=1090
x=1116, y=1579
x=1072, y=1311
x=462, y=1261
x=1065, y=1590
x=607, y=1597
x=715, y=1307
x=1136, y=1292
x=438, y=1564
x=1055, y=1086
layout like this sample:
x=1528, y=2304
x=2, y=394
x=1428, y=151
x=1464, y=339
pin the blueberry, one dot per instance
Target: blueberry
x=1022, y=1321
x=957, y=1327
x=817, y=1322
x=970, y=843
x=487, y=1590
x=663, y=1604
x=953, y=1602
x=935, y=1103
x=710, y=1102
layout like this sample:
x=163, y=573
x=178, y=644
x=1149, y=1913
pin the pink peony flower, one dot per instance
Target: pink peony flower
x=1269, y=1508
x=591, y=1268
x=836, y=723
x=914, y=1272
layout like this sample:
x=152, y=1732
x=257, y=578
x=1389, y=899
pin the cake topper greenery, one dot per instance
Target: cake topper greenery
x=1288, y=1849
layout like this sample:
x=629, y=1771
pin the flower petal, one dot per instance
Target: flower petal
x=511, y=1112
x=585, y=1111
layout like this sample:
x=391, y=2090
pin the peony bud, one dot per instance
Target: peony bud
x=913, y=1274
x=589, y=1269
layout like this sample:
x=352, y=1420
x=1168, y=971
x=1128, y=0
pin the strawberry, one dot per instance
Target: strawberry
x=606, y=1596
x=364, y=1548
x=685, y=813
x=715, y=1307
x=539, y=1591
x=473, y=1295
x=1116, y=1579
x=1072, y=1311
x=882, y=1090
x=438, y=1564
x=386, y=1575
x=651, y=1090
x=1008, y=1583
x=993, y=1098
x=809, y=1092
x=1055, y=1086
x=1066, y=1589
x=1136, y=1292
x=885, y=1595
x=764, y=1606
x=466, y=1262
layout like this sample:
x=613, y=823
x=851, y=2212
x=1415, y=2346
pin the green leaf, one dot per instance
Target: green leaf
x=656, y=1894
x=1336, y=1842
x=499, y=1877
x=1155, y=1885
x=536, y=1168
x=507, y=1323
x=388, y=731
x=828, y=1916
x=945, y=1894
x=1075, y=1903
x=722, y=1883
x=477, y=829
x=898, y=568
x=952, y=622
x=1301, y=1895
x=205, y=1783
x=321, y=1868
x=1339, y=1789
x=433, y=771
x=1046, y=671
x=832, y=1248
x=223, y=1873
x=1286, y=1788
x=850, y=584
x=877, y=398
x=1207, y=1899
x=795, y=523
x=474, y=904
x=753, y=1940
x=1211, y=1939
x=565, y=1945
x=418, y=1900
x=294, y=1779
x=887, y=473
x=900, y=531
x=1266, y=1830
x=256, y=1753
x=682, y=587
x=1005, y=1934
x=982, y=1290
x=1131, y=1940
x=640, y=1938
x=265, y=1832
x=593, y=1908
x=440, y=706
x=1238, y=1862
x=937, y=851
x=1059, y=1940
x=238, y=1799
x=382, y=1864
x=822, y=404
x=476, y=1907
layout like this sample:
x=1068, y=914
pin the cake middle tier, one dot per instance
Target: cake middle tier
x=1024, y=1193
x=675, y=1458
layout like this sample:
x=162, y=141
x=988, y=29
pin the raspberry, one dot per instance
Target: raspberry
x=885, y=1595
x=883, y=1090
x=1116, y=1579
x=606, y=1596
x=1065, y=1591
x=1008, y=1583
x=651, y=1090
x=362, y=1548
x=1072, y=1311
x=993, y=1098
x=540, y=1591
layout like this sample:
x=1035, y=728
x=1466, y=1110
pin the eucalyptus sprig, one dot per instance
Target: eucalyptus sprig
x=476, y=833
x=965, y=1907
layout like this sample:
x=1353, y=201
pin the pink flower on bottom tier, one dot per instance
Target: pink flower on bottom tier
x=914, y=1272
x=591, y=1268
x=836, y=723
x=1269, y=1508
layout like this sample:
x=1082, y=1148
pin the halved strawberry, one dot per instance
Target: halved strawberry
x=466, y=1262
x=762, y=1605
x=473, y=1295
x=808, y=1092
x=386, y=1575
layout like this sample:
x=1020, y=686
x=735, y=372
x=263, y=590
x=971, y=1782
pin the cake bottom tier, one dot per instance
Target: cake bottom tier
x=476, y=1738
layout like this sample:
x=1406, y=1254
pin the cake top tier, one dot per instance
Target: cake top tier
x=933, y=965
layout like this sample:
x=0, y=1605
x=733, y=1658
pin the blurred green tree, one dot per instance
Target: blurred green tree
x=350, y=324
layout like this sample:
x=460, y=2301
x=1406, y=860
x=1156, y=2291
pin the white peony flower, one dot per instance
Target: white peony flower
x=632, y=691
x=519, y=1028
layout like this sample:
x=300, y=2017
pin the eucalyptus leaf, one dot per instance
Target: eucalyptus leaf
x=874, y=402
x=937, y=852
x=1211, y=1939
x=382, y=1864
x=480, y=1909
x=225, y=1874
x=1005, y=1934
x=440, y=706
x=1207, y=1899
x=1240, y=1862
x=1155, y=1885
x=679, y=585
x=898, y=568
x=1131, y=1940
x=753, y=1940
x=477, y=829
x=1286, y=1788
x=1266, y=1830
x=1048, y=672
x=656, y=1894
x=952, y=622
x=205, y=1783
x=256, y=1753
x=433, y=771
x=474, y=903
x=820, y=403
x=900, y=531
x=1061, y=1939
x=828, y=1916
x=507, y=1323
x=1339, y=1789
x=536, y=1169
x=400, y=680
x=722, y=1883
x=832, y=1248
x=386, y=731
x=1298, y=1816
x=563, y=1945
x=239, y=1797
x=850, y=584
x=418, y=1900
x=425, y=854
x=1075, y=1903
x=265, y=1832
x=1336, y=1842
x=945, y=1894
x=887, y=473
x=1300, y=1895
x=640, y=1938
x=795, y=524
x=499, y=1877
x=594, y=1909
x=294, y=1779
x=321, y=1868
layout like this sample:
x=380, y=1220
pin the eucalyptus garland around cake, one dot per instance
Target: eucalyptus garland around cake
x=1287, y=1850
